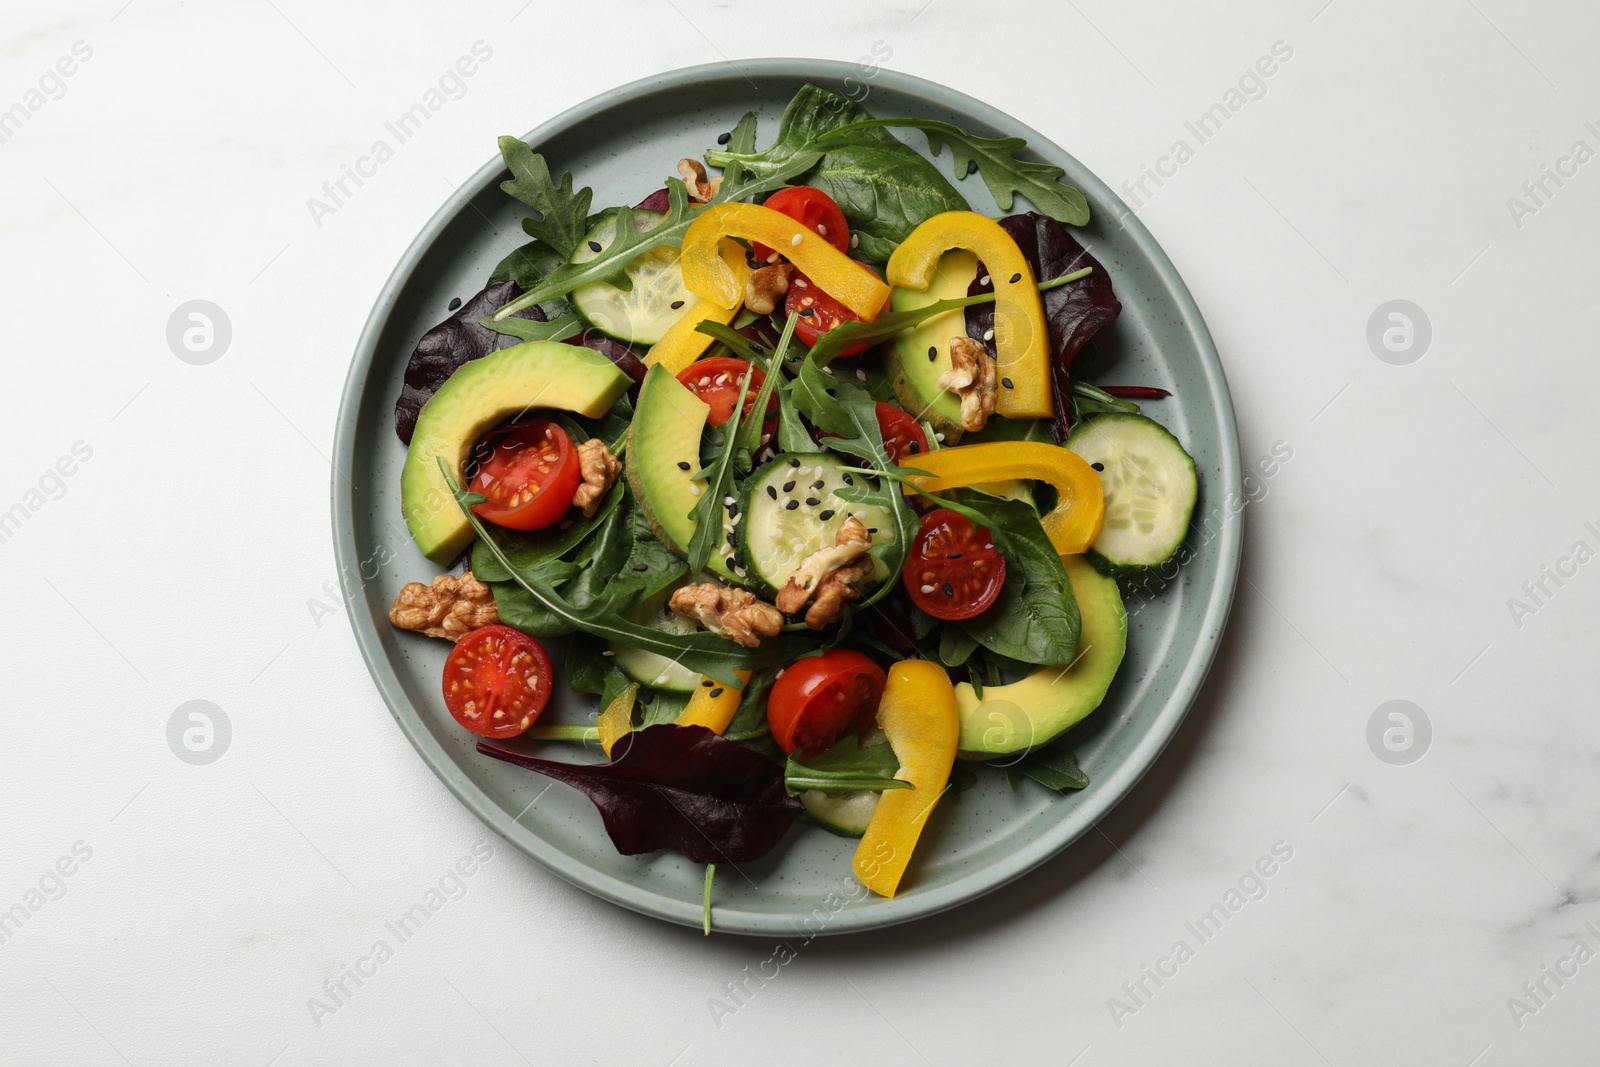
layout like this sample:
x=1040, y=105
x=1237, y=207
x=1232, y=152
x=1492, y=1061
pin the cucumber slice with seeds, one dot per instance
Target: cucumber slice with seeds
x=1150, y=489
x=790, y=511
x=846, y=814
x=656, y=301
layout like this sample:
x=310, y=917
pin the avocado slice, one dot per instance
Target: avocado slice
x=539, y=374
x=914, y=374
x=1015, y=717
x=663, y=457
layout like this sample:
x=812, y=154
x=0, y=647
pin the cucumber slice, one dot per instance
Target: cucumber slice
x=650, y=668
x=790, y=510
x=1150, y=488
x=846, y=814
x=657, y=300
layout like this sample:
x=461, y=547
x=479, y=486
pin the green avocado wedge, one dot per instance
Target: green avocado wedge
x=539, y=374
x=919, y=356
x=1016, y=717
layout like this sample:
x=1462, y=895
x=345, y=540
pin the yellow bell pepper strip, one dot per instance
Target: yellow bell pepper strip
x=1072, y=525
x=682, y=344
x=713, y=704
x=616, y=722
x=918, y=714
x=705, y=273
x=1021, y=341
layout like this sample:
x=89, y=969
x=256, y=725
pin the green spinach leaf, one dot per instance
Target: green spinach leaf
x=1035, y=620
x=534, y=549
x=848, y=765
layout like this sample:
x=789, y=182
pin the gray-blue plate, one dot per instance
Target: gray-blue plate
x=624, y=143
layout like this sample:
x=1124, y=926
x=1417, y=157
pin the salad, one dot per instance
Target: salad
x=790, y=458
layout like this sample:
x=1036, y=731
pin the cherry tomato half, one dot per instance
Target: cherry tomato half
x=819, y=312
x=820, y=697
x=529, y=473
x=497, y=681
x=813, y=209
x=954, y=571
x=902, y=434
x=716, y=381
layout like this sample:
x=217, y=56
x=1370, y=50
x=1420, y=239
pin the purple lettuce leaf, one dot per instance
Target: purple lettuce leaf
x=679, y=787
x=1073, y=313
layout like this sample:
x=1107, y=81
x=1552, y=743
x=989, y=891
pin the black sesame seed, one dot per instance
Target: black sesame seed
x=773, y=493
x=847, y=479
x=683, y=464
x=794, y=462
x=723, y=138
x=915, y=448
x=1007, y=383
x=757, y=349
x=1098, y=466
x=952, y=555
x=788, y=487
x=791, y=505
x=1015, y=278
x=455, y=302
x=933, y=353
x=972, y=166
x=594, y=246
x=812, y=501
x=948, y=589
x=707, y=682
x=718, y=691
x=872, y=529
x=806, y=313
x=732, y=540
x=676, y=304
x=641, y=567
x=826, y=515
x=818, y=484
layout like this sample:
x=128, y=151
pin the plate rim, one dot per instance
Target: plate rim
x=731, y=919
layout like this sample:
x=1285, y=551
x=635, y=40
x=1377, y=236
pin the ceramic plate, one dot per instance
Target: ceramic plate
x=624, y=143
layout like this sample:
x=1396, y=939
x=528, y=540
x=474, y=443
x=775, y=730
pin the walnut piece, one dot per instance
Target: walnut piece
x=450, y=608
x=766, y=285
x=828, y=577
x=599, y=469
x=693, y=173
x=722, y=609
x=974, y=377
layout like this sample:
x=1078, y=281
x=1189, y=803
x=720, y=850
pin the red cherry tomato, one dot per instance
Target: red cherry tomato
x=813, y=209
x=716, y=381
x=954, y=571
x=497, y=681
x=529, y=473
x=819, y=312
x=902, y=434
x=820, y=697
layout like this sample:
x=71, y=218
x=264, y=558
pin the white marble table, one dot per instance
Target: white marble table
x=173, y=545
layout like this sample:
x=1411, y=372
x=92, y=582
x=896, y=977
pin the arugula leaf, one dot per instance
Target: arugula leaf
x=610, y=264
x=1035, y=619
x=532, y=550
x=848, y=765
x=563, y=214
x=750, y=426
x=750, y=721
x=679, y=787
x=1053, y=768
x=792, y=433
x=531, y=330
x=527, y=265
x=708, y=509
x=1002, y=172
x=703, y=652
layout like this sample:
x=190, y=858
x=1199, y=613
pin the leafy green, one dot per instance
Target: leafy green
x=955, y=646
x=1053, y=768
x=750, y=427
x=533, y=330
x=516, y=608
x=528, y=265
x=706, y=653
x=884, y=187
x=708, y=509
x=610, y=264
x=563, y=215
x=1088, y=400
x=848, y=765
x=750, y=721
x=705, y=899
x=586, y=666
x=534, y=549
x=648, y=568
x=1035, y=619
x=1002, y=172
x=606, y=556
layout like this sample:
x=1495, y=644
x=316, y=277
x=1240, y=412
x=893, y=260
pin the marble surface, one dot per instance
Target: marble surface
x=1337, y=899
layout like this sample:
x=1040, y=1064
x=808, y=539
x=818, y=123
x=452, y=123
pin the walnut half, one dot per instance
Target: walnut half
x=766, y=285
x=735, y=613
x=828, y=577
x=450, y=608
x=693, y=173
x=974, y=376
x=599, y=468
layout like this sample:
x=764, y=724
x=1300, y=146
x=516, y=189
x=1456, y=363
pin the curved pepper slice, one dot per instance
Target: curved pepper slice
x=705, y=273
x=713, y=706
x=1072, y=525
x=1021, y=341
x=682, y=344
x=918, y=714
x=616, y=722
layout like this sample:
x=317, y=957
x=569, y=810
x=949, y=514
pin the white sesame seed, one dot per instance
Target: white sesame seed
x=983, y=280
x=988, y=335
x=822, y=230
x=939, y=437
x=736, y=519
x=695, y=489
x=927, y=589
x=728, y=501
x=801, y=283
x=795, y=239
x=608, y=652
x=855, y=240
x=861, y=374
